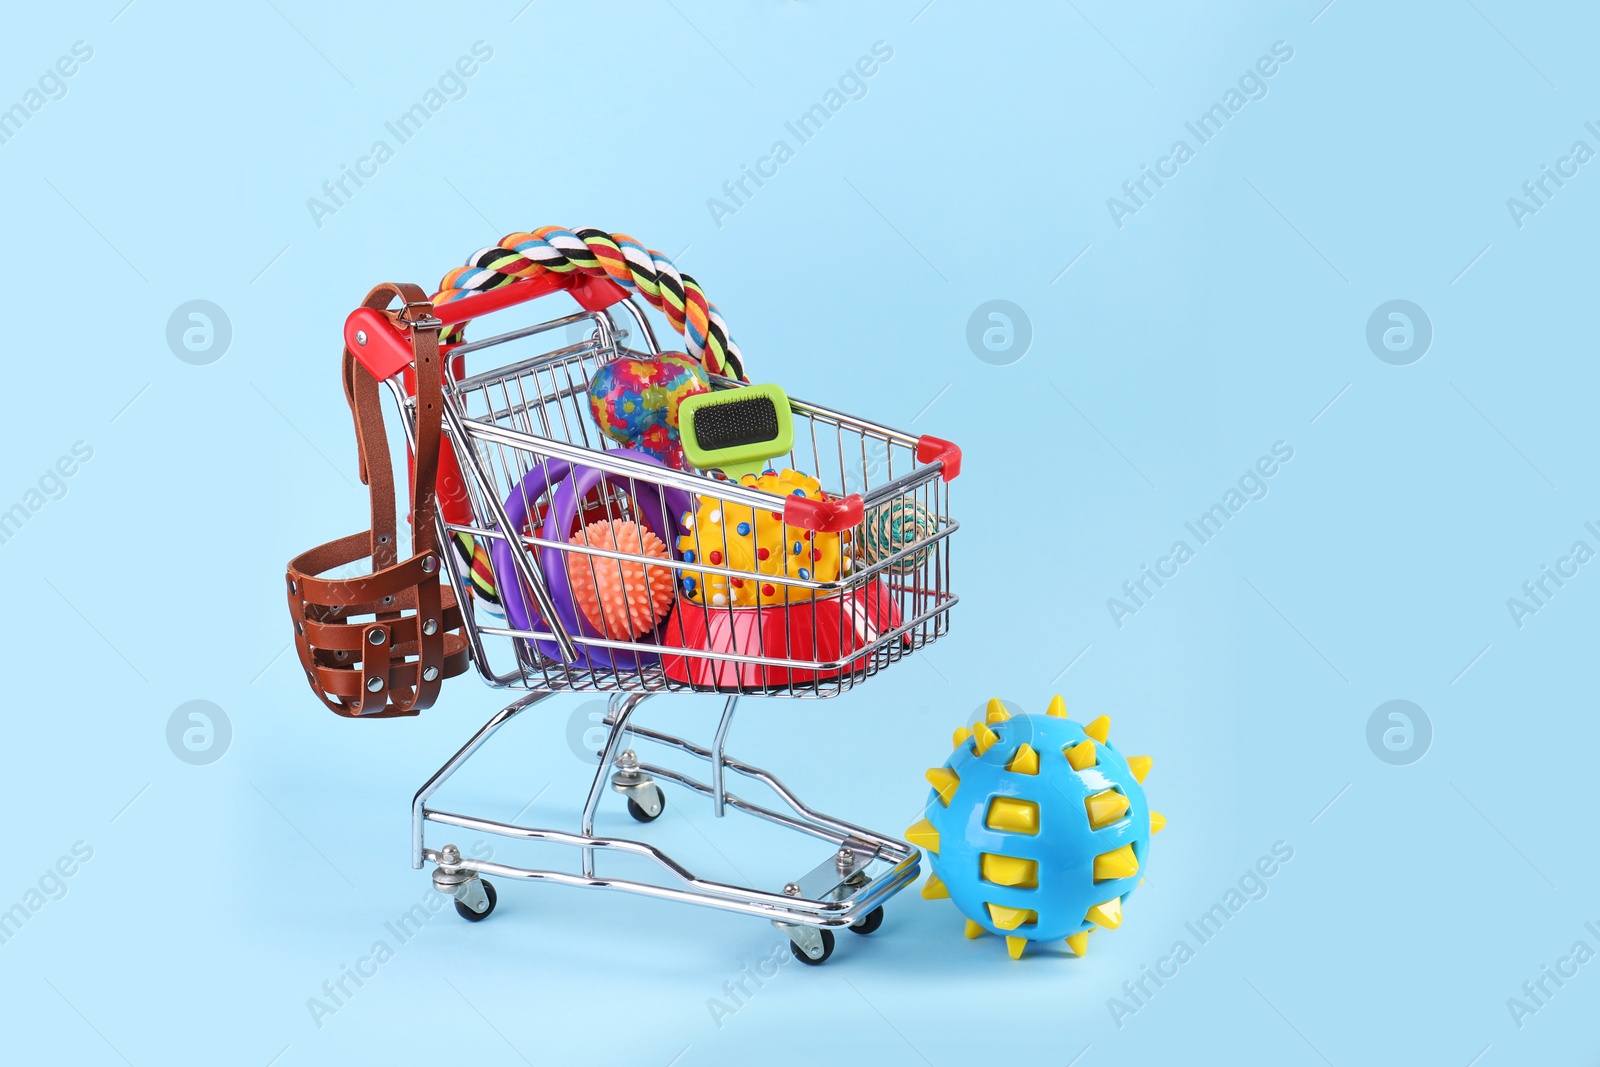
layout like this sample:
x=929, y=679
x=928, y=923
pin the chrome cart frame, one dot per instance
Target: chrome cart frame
x=862, y=870
x=505, y=422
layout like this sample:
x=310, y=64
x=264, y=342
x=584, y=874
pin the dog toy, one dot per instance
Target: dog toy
x=830, y=629
x=890, y=527
x=757, y=543
x=635, y=402
x=596, y=253
x=1037, y=827
x=737, y=430
x=620, y=598
x=568, y=486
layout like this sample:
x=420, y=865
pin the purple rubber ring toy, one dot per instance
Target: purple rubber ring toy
x=568, y=485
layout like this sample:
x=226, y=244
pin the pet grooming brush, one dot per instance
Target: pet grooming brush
x=736, y=431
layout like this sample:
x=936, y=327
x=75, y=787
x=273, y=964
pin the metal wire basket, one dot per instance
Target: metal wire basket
x=527, y=429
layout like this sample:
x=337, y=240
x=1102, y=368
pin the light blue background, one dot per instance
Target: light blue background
x=1227, y=315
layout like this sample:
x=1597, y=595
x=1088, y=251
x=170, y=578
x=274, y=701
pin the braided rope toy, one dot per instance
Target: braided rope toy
x=623, y=260
x=618, y=257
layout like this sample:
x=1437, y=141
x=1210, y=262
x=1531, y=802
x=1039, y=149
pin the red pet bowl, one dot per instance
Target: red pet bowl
x=824, y=630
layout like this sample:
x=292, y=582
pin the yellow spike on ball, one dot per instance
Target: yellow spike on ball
x=1012, y=815
x=923, y=835
x=1011, y=918
x=1009, y=870
x=1108, y=916
x=1119, y=863
x=944, y=780
x=1105, y=808
x=1026, y=761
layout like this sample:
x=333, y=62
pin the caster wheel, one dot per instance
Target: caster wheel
x=869, y=922
x=827, y=950
x=640, y=814
x=477, y=917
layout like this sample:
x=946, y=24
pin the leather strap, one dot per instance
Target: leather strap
x=395, y=662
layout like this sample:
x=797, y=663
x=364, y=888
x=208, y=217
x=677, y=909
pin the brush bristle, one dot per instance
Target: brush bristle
x=747, y=421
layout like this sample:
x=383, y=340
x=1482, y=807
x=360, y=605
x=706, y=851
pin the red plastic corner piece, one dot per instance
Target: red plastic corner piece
x=931, y=448
x=823, y=516
x=594, y=293
x=379, y=347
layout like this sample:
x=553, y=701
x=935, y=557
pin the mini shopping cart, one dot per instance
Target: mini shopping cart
x=517, y=435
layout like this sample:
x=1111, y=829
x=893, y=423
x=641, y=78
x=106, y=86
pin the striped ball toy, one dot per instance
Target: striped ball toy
x=892, y=526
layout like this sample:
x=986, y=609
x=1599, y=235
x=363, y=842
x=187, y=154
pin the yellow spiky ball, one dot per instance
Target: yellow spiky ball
x=1037, y=828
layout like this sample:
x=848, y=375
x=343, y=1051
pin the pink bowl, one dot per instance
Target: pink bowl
x=823, y=630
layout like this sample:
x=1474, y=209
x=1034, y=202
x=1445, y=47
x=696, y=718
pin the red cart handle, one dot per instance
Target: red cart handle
x=834, y=515
x=947, y=453
x=382, y=342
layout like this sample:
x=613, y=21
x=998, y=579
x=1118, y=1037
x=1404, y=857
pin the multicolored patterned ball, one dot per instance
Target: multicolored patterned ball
x=635, y=401
x=894, y=525
x=759, y=543
x=620, y=598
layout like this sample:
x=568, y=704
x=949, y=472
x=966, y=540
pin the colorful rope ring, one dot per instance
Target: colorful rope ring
x=618, y=257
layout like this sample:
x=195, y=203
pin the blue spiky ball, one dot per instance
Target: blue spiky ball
x=1037, y=828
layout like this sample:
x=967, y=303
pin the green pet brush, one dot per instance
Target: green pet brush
x=736, y=431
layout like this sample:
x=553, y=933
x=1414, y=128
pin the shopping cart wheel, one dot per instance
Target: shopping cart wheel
x=827, y=950
x=868, y=922
x=643, y=813
x=478, y=916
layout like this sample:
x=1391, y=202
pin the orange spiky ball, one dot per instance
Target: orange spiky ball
x=621, y=598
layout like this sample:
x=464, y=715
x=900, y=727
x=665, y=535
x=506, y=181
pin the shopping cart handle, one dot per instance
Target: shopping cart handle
x=384, y=348
x=823, y=516
x=377, y=343
x=948, y=453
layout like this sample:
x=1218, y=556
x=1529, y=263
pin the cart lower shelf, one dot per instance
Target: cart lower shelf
x=847, y=888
